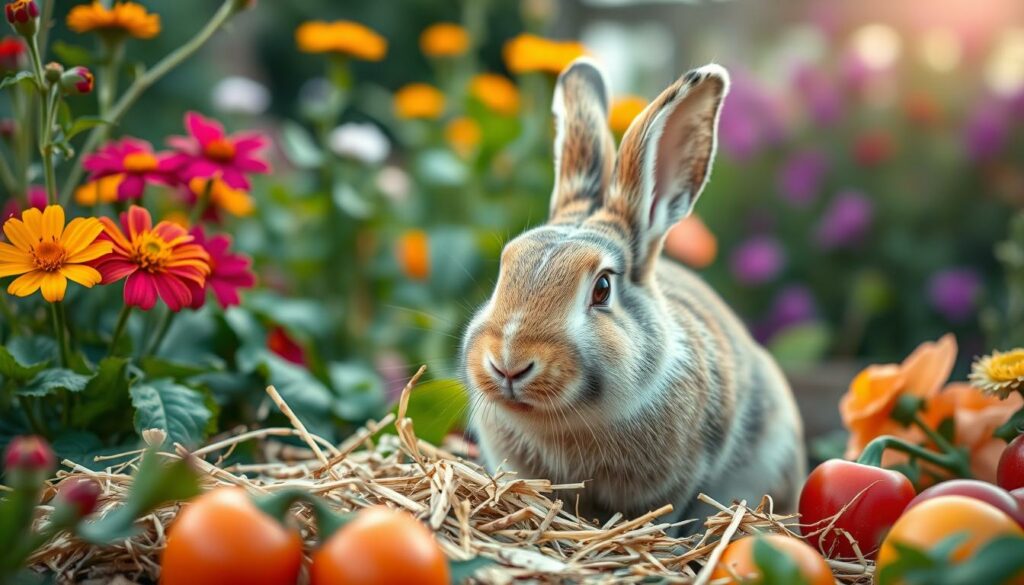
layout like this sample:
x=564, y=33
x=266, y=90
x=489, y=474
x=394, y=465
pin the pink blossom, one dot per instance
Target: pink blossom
x=229, y=271
x=136, y=163
x=208, y=152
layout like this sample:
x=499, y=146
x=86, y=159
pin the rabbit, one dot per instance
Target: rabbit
x=596, y=359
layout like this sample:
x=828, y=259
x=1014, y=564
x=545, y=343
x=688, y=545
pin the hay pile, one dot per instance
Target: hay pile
x=509, y=519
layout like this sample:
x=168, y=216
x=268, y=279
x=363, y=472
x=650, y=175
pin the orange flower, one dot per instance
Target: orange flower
x=976, y=417
x=868, y=404
x=527, y=53
x=623, y=111
x=413, y=251
x=463, y=134
x=419, y=100
x=444, y=40
x=497, y=92
x=692, y=243
x=341, y=37
x=102, y=190
x=123, y=18
x=236, y=202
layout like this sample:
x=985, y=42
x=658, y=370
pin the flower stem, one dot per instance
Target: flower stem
x=60, y=332
x=955, y=462
x=113, y=53
x=37, y=65
x=30, y=414
x=161, y=333
x=10, y=315
x=141, y=84
x=46, y=145
x=202, y=202
x=122, y=321
x=932, y=434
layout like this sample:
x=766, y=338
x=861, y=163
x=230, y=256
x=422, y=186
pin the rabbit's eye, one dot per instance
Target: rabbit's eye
x=602, y=291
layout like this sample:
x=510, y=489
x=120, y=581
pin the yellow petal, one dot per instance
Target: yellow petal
x=19, y=233
x=33, y=219
x=12, y=268
x=9, y=253
x=80, y=233
x=54, y=284
x=53, y=222
x=86, y=276
x=91, y=252
x=26, y=284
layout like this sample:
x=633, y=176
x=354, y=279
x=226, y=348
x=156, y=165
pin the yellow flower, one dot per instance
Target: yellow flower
x=413, y=251
x=444, y=40
x=1000, y=373
x=419, y=100
x=497, y=92
x=623, y=111
x=123, y=18
x=103, y=190
x=46, y=253
x=463, y=134
x=527, y=53
x=223, y=197
x=342, y=37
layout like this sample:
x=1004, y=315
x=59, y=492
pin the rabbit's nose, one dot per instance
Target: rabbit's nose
x=511, y=374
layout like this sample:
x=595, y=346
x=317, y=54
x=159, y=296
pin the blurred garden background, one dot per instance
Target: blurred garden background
x=866, y=196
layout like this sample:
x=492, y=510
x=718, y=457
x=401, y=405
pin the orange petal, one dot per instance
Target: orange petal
x=12, y=268
x=9, y=253
x=19, y=233
x=928, y=368
x=80, y=233
x=33, y=219
x=92, y=252
x=26, y=284
x=54, y=285
x=53, y=222
x=86, y=276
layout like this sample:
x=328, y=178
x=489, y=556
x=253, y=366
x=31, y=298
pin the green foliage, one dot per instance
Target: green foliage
x=777, y=568
x=177, y=409
x=437, y=407
x=998, y=561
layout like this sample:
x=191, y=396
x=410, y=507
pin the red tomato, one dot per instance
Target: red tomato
x=979, y=490
x=380, y=547
x=222, y=537
x=738, y=560
x=835, y=484
x=1010, y=473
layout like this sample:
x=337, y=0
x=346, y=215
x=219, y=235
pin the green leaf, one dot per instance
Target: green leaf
x=463, y=570
x=360, y=391
x=909, y=560
x=800, y=346
x=74, y=54
x=178, y=410
x=11, y=367
x=162, y=368
x=311, y=400
x=299, y=147
x=454, y=258
x=22, y=77
x=777, y=568
x=105, y=393
x=49, y=381
x=998, y=561
x=1009, y=430
x=436, y=407
x=83, y=123
x=33, y=350
x=157, y=482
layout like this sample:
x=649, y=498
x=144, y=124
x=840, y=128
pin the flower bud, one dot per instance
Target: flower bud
x=80, y=494
x=52, y=71
x=28, y=461
x=12, y=54
x=77, y=81
x=7, y=128
x=23, y=15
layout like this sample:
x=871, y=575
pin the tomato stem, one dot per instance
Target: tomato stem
x=954, y=460
x=276, y=506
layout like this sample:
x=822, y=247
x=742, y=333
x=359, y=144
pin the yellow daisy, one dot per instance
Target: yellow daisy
x=1000, y=373
x=46, y=254
x=123, y=18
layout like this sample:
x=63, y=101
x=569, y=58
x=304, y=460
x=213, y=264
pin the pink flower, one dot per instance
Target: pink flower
x=161, y=260
x=136, y=164
x=228, y=272
x=208, y=151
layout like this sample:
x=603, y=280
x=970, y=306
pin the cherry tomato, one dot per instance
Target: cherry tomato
x=380, y=547
x=927, y=524
x=835, y=484
x=1010, y=473
x=222, y=537
x=979, y=490
x=739, y=558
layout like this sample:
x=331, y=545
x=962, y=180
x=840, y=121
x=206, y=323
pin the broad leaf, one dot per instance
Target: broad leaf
x=299, y=147
x=23, y=77
x=83, y=123
x=437, y=407
x=178, y=410
x=360, y=391
x=105, y=393
x=308, y=397
x=13, y=369
x=54, y=380
x=161, y=368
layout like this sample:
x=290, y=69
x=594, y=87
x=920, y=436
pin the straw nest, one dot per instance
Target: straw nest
x=514, y=521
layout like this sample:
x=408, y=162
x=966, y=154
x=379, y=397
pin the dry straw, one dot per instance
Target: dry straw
x=518, y=522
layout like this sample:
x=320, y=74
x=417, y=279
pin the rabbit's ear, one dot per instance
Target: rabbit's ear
x=584, y=148
x=665, y=159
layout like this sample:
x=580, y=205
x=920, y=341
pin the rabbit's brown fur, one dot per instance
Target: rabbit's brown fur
x=658, y=393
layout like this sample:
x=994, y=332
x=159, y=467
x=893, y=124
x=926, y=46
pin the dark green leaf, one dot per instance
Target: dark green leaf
x=22, y=77
x=777, y=568
x=997, y=562
x=178, y=410
x=12, y=368
x=106, y=392
x=83, y=123
x=1011, y=428
x=161, y=368
x=436, y=407
x=360, y=391
x=909, y=561
x=54, y=380
x=311, y=400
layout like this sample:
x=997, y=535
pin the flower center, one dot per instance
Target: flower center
x=1007, y=367
x=48, y=256
x=140, y=162
x=151, y=252
x=220, y=149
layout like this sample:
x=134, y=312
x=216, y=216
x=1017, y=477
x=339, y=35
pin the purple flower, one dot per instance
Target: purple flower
x=846, y=221
x=986, y=131
x=750, y=120
x=800, y=178
x=821, y=95
x=793, y=305
x=757, y=260
x=954, y=293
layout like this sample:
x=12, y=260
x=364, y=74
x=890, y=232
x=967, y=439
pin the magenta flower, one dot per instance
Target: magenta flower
x=751, y=119
x=229, y=272
x=136, y=164
x=793, y=305
x=757, y=260
x=820, y=93
x=846, y=221
x=800, y=178
x=209, y=152
x=954, y=293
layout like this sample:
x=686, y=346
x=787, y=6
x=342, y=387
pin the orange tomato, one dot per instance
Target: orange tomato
x=739, y=558
x=932, y=521
x=380, y=547
x=222, y=537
